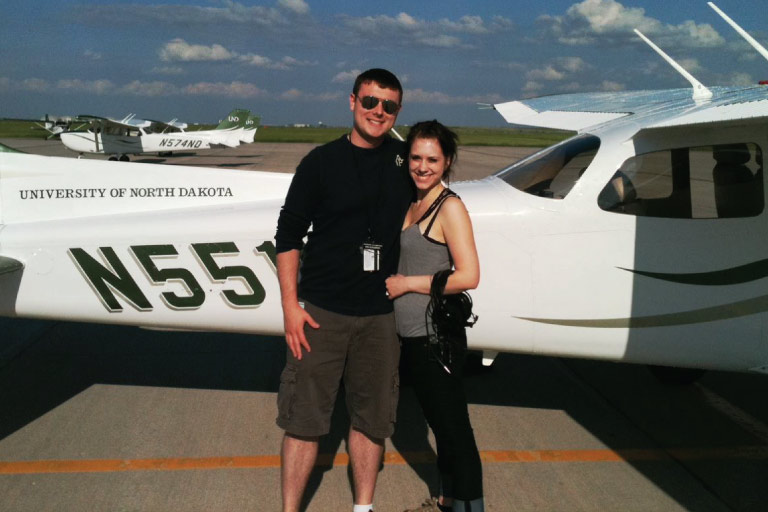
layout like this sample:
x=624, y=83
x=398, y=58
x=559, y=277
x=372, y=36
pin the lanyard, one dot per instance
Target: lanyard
x=374, y=173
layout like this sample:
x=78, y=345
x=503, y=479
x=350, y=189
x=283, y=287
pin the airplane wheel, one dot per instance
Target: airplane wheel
x=113, y=159
x=671, y=376
x=473, y=364
x=124, y=158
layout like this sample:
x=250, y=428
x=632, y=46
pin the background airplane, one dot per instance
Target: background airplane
x=55, y=126
x=132, y=137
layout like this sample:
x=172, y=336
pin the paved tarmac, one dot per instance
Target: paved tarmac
x=110, y=418
x=474, y=162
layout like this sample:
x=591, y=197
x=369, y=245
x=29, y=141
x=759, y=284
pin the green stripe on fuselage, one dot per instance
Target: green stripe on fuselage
x=696, y=316
x=736, y=275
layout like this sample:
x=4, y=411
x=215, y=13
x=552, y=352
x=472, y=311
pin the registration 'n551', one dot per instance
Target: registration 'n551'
x=109, y=277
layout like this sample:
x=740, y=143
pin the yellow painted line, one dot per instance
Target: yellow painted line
x=392, y=458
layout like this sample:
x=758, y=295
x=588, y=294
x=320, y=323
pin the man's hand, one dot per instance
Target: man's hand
x=294, y=318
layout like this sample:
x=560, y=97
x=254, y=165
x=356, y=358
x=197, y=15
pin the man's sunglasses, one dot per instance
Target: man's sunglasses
x=370, y=102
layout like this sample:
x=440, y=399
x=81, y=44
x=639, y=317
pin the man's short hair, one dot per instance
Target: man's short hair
x=385, y=79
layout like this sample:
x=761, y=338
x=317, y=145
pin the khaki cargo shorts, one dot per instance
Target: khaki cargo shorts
x=365, y=352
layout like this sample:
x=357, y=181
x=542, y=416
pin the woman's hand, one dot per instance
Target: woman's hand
x=397, y=285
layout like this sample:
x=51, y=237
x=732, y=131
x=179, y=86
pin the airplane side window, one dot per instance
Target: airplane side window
x=554, y=171
x=706, y=182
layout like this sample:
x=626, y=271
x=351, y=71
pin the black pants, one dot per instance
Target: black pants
x=441, y=396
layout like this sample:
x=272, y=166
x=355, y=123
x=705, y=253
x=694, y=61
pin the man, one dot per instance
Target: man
x=354, y=192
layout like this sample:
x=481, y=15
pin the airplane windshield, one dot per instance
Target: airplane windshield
x=553, y=171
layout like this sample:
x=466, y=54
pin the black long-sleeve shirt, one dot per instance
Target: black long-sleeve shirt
x=341, y=190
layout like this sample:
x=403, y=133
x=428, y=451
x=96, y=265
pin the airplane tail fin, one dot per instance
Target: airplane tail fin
x=251, y=126
x=235, y=119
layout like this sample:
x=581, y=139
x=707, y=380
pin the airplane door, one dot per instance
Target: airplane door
x=699, y=269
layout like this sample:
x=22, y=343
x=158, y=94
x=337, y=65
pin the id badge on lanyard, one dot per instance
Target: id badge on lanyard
x=371, y=255
x=370, y=249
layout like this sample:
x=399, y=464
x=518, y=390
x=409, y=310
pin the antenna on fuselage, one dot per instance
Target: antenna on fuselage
x=700, y=91
x=743, y=33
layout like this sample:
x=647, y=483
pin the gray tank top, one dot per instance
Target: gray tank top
x=419, y=255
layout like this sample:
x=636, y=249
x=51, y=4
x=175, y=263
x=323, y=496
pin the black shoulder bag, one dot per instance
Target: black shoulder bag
x=447, y=318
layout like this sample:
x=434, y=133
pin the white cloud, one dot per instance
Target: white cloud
x=407, y=20
x=256, y=60
x=690, y=65
x=699, y=35
x=546, y=73
x=232, y=90
x=571, y=64
x=167, y=14
x=91, y=86
x=299, y=95
x=35, y=85
x=291, y=94
x=297, y=6
x=741, y=79
x=168, y=70
x=179, y=50
x=405, y=29
x=469, y=24
x=346, y=77
x=149, y=89
x=611, y=86
x=532, y=87
x=440, y=41
x=284, y=64
x=560, y=69
x=292, y=62
x=90, y=54
x=382, y=24
x=570, y=87
x=610, y=22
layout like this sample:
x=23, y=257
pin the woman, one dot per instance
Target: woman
x=437, y=235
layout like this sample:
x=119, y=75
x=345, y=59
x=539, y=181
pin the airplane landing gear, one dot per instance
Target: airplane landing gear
x=122, y=158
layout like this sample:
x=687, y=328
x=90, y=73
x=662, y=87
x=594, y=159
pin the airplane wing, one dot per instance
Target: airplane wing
x=105, y=122
x=656, y=108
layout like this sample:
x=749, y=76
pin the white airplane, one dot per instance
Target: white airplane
x=56, y=126
x=130, y=136
x=641, y=239
x=249, y=131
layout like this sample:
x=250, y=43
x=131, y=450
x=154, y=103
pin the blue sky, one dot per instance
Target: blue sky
x=294, y=61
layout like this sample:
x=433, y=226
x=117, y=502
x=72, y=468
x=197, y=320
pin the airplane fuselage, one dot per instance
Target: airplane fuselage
x=102, y=143
x=561, y=273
